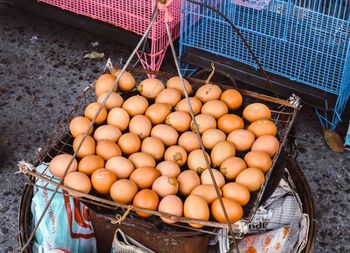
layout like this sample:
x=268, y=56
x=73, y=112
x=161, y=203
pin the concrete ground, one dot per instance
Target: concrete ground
x=42, y=71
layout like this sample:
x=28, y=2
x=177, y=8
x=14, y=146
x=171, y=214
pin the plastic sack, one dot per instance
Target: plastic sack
x=281, y=209
x=278, y=226
x=66, y=226
x=122, y=243
x=274, y=241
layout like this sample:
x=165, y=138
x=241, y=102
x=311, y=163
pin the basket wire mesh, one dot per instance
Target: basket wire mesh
x=283, y=114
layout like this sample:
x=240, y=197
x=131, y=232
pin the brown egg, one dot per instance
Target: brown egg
x=166, y=134
x=211, y=137
x=231, y=167
x=157, y=113
x=196, y=105
x=206, y=191
x=206, y=178
x=141, y=126
x=92, y=109
x=154, y=147
x=256, y=111
x=118, y=117
x=135, y=105
x=242, y=139
x=236, y=192
x=172, y=205
x=230, y=122
x=107, y=149
x=252, y=178
x=120, y=166
x=142, y=159
x=126, y=82
x=123, y=191
x=165, y=186
x=187, y=180
x=129, y=143
x=168, y=168
x=176, y=154
x=87, y=148
x=146, y=199
x=180, y=121
x=221, y=151
x=90, y=163
x=263, y=127
x=267, y=143
x=114, y=100
x=189, y=141
x=258, y=159
x=204, y=122
x=59, y=164
x=168, y=96
x=102, y=180
x=232, y=98
x=215, y=108
x=233, y=209
x=79, y=125
x=175, y=83
x=77, y=181
x=144, y=176
x=196, y=161
x=150, y=88
x=107, y=132
x=196, y=207
x=104, y=83
x=208, y=92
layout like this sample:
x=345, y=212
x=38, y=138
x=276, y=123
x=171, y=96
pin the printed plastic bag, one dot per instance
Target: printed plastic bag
x=281, y=209
x=274, y=241
x=66, y=226
x=278, y=225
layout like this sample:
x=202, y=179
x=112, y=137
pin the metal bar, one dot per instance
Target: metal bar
x=243, y=40
x=199, y=137
x=155, y=14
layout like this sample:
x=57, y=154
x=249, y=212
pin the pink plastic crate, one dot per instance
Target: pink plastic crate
x=131, y=15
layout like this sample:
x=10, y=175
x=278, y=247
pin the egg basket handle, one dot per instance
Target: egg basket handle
x=143, y=38
x=244, y=40
x=234, y=245
x=115, y=84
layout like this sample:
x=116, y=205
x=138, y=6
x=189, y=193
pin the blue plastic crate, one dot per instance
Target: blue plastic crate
x=307, y=41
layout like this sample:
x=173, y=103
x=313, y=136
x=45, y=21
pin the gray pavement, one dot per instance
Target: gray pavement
x=42, y=71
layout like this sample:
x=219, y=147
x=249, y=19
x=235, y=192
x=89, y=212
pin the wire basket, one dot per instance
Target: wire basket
x=104, y=230
x=132, y=16
x=305, y=41
x=283, y=114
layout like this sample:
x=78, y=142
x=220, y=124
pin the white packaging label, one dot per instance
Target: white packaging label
x=254, y=4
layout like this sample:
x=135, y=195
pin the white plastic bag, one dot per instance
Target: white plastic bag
x=66, y=226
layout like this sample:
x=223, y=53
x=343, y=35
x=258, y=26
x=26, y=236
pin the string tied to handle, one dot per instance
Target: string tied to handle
x=119, y=218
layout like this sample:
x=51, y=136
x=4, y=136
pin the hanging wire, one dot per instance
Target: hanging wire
x=196, y=128
x=144, y=44
x=246, y=44
x=144, y=36
x=217, y=190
